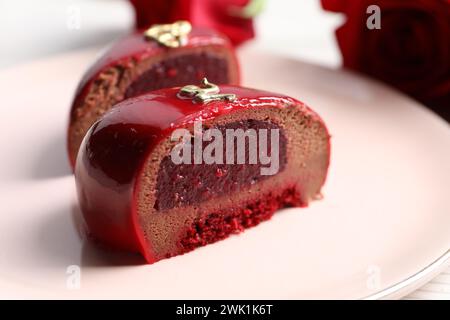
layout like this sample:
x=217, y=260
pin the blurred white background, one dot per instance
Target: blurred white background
x=31, y=29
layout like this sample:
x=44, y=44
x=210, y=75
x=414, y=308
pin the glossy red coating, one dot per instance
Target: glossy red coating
x=136, y=46
x=115, y=148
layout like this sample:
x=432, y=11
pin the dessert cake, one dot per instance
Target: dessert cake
x=143, y=187
x=163, y=56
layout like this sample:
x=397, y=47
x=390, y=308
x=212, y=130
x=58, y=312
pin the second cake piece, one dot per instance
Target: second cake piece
x=161, y=57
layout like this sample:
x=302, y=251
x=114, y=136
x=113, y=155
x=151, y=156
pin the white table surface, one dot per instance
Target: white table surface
x=32, y=29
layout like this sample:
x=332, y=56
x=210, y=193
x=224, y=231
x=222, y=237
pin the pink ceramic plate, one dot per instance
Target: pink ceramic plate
x=382, y=229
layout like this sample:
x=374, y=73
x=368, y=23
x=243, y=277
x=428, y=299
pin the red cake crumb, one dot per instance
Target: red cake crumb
x=218, y=226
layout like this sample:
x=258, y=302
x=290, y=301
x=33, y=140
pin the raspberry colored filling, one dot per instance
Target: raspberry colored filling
x=188, y=184
x=178, y=71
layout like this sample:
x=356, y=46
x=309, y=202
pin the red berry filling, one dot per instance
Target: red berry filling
x=178, y=71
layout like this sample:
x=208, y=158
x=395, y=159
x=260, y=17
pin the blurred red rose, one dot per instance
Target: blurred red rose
x=226, y=16
x=411, y=51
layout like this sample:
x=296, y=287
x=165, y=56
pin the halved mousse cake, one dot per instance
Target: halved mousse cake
x=172, y=170
x=163, y=56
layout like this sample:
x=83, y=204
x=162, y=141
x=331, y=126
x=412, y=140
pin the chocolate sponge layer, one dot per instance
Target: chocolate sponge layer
x=177, y=216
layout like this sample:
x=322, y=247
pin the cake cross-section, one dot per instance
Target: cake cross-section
x=176, y=169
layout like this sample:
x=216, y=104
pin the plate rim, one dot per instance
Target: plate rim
x=409, y=284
